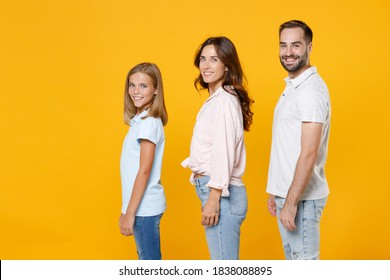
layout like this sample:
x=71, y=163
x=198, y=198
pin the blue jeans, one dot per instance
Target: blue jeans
x=223, y=239
x=147, y=237
x=304, y=242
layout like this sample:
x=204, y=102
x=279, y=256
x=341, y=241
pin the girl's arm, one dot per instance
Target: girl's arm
x=147, y=150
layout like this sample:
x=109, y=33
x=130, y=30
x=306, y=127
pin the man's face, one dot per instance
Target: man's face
x=294, y=51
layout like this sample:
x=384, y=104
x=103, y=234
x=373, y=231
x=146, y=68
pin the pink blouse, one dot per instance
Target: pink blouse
x=217, y=146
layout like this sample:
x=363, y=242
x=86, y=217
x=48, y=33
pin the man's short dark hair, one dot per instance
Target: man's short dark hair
x=298, y=24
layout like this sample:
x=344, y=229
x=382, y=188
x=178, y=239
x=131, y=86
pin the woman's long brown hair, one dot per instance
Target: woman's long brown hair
x=234, y=77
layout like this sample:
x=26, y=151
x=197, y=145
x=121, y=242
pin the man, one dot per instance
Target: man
x=296, y=179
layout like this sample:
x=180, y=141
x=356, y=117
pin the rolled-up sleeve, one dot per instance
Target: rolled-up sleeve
x=223, y=148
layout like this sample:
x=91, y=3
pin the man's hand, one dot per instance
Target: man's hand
x=271, y=205
x=287, y=216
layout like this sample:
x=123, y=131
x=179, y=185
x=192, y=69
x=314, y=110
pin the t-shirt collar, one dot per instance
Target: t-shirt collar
x=301, y=78
x=138, y=118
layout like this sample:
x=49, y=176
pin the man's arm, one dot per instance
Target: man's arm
x=310, y=142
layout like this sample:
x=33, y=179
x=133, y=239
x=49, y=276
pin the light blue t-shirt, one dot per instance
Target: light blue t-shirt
x=153, y=202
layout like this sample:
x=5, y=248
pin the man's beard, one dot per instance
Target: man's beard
x=295, y=67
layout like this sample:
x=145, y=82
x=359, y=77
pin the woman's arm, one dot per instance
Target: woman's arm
x=222, y=160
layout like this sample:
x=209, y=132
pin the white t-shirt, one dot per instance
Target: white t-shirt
x=153, y=201
x=305, y=99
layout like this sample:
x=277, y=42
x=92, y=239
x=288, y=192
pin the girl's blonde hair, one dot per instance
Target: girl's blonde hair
x=157, y=109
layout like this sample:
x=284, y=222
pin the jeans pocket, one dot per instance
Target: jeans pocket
x=238, y=202
x=203, y=189
x=203, y=192
x=318, y=206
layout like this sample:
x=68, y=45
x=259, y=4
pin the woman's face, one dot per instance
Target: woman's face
x=211, y=68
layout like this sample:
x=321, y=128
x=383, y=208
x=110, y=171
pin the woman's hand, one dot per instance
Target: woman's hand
x=210, y=211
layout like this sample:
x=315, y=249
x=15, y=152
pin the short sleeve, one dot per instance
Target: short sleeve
x=313, y=106
x=149, y=130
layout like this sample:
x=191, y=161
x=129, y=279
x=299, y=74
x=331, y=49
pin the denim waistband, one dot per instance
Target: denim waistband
x=202, y=179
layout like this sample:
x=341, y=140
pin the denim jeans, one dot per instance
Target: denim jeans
x=223, y=239
x=147, y=237
x=304, y=242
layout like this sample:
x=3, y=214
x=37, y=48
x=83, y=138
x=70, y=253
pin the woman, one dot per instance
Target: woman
x=217, y=155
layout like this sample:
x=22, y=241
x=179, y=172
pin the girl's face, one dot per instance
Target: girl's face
x=211, y=68
x=141, y=91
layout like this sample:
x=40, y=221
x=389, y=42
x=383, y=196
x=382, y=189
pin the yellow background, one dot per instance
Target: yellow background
x=62, y=71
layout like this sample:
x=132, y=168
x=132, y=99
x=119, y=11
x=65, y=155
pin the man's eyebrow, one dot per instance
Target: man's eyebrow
x=295, y=42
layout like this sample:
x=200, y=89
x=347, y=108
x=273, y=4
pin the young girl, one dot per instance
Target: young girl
x=217, y=154
x=143, y=198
